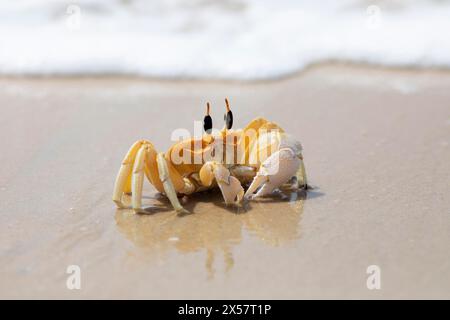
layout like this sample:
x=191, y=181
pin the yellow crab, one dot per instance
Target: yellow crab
x=261, y=155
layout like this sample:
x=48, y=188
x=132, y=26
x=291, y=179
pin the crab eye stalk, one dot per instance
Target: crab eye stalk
x=228, y=117
x=207, y=121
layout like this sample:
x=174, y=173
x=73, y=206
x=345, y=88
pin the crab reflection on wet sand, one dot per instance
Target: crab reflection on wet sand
x=213, y=228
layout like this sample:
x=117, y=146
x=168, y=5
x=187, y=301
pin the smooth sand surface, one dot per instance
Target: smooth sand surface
x=376, y=150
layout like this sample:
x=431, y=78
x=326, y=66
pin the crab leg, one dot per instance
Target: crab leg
x=142, y=159
x=168, y=184
x=137, y=179
x=302, y=172
x=274, y=172
x=230, y=187
x=122, y=183
x=300, y=177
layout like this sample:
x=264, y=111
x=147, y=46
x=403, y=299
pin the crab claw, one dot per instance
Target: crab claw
x=274, y=172
x=231, y=188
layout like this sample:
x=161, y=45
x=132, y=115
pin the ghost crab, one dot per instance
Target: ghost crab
x=261, y=156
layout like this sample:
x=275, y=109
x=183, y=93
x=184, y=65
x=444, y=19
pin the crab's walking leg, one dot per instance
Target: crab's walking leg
x=142, y=159
x=302, y=172
x=167, y=183
x=299, y=180
x=230, y=187
x=123, y=181
x=274, y=172
x=137, y=179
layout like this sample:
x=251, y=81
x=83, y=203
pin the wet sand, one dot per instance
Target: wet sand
x=376, y=150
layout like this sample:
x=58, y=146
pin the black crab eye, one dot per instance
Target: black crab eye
x=228, y=117
x=207, y=121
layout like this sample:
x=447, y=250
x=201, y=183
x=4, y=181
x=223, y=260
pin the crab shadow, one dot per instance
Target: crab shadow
x=213, y=227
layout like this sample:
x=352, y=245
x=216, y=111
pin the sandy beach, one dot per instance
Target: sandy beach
x=377, y=154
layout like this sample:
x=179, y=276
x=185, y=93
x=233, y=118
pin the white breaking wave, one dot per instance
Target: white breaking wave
x=233, y=39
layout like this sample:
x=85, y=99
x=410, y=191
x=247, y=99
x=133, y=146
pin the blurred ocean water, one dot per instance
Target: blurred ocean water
x=231, y=39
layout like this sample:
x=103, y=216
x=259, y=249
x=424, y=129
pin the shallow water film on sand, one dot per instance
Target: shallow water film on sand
x=374, y=225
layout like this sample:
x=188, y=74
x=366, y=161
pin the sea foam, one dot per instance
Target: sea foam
x=239, y=39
